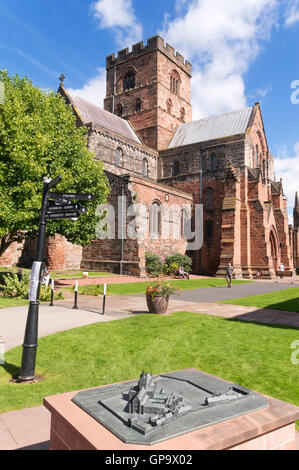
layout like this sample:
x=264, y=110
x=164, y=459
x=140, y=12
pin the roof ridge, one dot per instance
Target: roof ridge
x=95, y=105
x=222, y=114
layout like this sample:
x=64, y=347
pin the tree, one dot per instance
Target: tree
x=38, y=138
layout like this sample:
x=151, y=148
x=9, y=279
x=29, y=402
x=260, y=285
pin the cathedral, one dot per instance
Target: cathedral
x=156, y=156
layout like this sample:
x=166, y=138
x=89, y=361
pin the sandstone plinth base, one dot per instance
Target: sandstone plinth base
x=271, y=428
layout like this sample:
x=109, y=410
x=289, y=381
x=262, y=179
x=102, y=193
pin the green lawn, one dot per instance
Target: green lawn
x=10, y=302
x=287, y=300
x=77, y=274
x=253, y=355
x=140, y=287
x=59, y=274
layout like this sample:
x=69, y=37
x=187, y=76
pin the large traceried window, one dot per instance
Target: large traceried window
x=130, y=80
x=155, y=219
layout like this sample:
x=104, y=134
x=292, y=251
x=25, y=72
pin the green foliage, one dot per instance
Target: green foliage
x=15, y=288
x=172, y=269
x=161, y=289
x=181, y=260
x=38, y=138
x=153, y=264
x=45, y=294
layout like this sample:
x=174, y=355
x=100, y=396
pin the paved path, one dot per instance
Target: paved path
x=217, y=294
x=51, y=320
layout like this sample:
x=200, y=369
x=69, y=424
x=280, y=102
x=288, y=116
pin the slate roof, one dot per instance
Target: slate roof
x=213, y=127
x=89, y=112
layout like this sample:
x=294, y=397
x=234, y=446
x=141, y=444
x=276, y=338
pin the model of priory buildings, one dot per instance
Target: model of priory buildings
x=155, y=155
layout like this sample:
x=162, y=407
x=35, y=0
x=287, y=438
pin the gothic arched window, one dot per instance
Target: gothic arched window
x=176, y=168
x=183, y=114
x=174, y=82
x=145, y=168
x=129, y=80
x=155, y=219
x=256, y=156
x=214, y=162
x=138, y=105
x=120, y=110
x=119, y=156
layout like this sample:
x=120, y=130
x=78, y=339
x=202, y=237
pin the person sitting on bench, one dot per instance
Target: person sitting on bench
x=183, y=273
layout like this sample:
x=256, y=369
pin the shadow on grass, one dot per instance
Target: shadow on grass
x=271, y=319
x=11, y=369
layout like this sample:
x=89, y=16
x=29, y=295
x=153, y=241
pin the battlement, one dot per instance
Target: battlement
x=153, y=43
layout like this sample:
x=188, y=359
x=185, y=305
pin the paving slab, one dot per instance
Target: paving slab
x=27, y=428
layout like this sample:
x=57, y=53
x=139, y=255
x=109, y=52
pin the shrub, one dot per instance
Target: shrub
x=153, y=264
x=45, y=294
x=13, y=287
x=181, y=260
x=172, y=269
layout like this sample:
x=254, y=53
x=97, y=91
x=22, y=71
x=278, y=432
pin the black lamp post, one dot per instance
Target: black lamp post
x=31, y=332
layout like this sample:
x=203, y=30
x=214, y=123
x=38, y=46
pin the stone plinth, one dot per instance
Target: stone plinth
x=266, y=429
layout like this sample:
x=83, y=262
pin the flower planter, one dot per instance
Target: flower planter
x=157, y=305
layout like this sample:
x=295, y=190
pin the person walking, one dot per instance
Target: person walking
x=281, y=270
x=229, y=274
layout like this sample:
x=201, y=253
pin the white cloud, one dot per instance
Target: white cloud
x=223, y=38
x=119, y=16
x=94, y=90
x=292, y=14
x=287, y=168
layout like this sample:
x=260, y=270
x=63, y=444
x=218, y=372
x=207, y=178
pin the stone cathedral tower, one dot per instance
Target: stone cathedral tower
x=151, y=87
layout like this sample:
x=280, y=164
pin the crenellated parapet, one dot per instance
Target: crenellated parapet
x=153, y=43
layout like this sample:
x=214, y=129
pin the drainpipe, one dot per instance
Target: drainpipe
x=200, y=195
x=114, y=89
x=122, y=230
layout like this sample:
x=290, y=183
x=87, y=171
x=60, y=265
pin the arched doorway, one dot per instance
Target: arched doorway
x=274, y=250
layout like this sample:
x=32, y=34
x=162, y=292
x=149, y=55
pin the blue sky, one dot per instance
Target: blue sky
x=242, y=52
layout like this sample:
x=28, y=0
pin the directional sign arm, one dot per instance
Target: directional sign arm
x=71, y=196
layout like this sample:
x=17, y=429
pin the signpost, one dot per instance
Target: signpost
x=54, y=206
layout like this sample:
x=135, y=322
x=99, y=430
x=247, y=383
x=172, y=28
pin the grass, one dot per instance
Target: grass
x=77, y=274
x=249, y=354
x=140, y=287
x=287, y=300
x=59, y=274
x=6, y=302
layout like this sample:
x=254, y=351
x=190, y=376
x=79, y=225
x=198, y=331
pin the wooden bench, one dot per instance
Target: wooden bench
x=180, y=276
x=282, y=274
